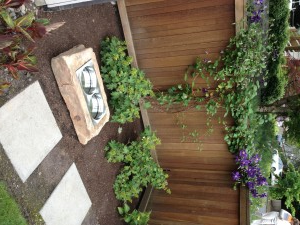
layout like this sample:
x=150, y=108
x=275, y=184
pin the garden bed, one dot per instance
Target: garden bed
x=85, y=25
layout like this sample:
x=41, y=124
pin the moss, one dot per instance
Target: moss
x=10, y=213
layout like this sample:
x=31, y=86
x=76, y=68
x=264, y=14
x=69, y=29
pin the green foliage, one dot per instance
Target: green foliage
x=127, y=85
x=15, y=54
x=276, y=84
x=288, y=186
x=10, y=213
x=243, y=61
x=139, y=171
x=265, y=143
x=134, y=218
x=293, y=132
x=278, y=38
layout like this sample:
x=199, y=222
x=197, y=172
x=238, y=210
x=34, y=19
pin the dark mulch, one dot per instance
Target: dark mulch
x=85, y=25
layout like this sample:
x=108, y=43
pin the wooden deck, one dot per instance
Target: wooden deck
x=164, y=37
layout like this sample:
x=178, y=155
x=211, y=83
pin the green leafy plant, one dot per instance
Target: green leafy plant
x=278, y=38
x=138, y=172
x=288, y=186
x=237, y=74
x=135, y=217
x=16, y=55
x=127, y=85
x=10, y=213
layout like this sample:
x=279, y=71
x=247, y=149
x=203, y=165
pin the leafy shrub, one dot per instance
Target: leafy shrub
x=138, y=172
x=10, y=213
x=127, y=85
x=278, y=38
x=293, y=133
x=288, y=186
x=276, y=85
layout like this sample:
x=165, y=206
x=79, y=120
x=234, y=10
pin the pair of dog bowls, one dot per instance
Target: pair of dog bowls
x=89, y=83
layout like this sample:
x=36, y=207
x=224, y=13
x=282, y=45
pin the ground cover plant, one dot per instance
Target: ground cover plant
x=139, y=171
x=127, y=85
x=10, y=213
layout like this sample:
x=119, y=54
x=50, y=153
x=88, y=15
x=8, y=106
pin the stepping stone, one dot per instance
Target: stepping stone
x=28, y=130
x=69, y=203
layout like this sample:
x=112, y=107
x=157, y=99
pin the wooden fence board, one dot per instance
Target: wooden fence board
x=168, y=36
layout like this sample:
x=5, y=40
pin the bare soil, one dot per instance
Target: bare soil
x=85, y=25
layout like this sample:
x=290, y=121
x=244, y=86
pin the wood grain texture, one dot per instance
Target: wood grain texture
x=168, y=36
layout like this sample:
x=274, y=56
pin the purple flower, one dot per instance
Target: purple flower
x=254, y=193
x=256, y=16
x=204, y=90
x=261, y=180
x=244, y=162
x=250, y=185
x=243, y=154
x=255, y=159
x=236, y=176
x=263, y=195
x=258, y=2
x=251, y=172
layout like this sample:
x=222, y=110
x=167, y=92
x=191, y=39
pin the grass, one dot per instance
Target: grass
x=10, y=213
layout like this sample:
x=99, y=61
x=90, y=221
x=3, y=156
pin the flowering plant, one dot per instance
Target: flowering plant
x=257, y=9
x=248, y=173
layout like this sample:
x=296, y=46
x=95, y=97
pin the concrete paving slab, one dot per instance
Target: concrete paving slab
x=69, y=202
x=28, y=130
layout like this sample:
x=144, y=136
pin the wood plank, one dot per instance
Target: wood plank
x=244, y=206
x=191, y=46
x=212, y=167
x=187, y=194
x=187, y=5
x=201, y=220
x=154, y=5
x=214, y=205
x=199, y=174
x=199, y=160
x=184, y=60
x=198, y=188
x=163, y=222
x=195, y=153
x=188, y=15
x=137, y=2
x=193, y=146
x=195, y=210
x=240, y=14
x=213, y=187
x=127, y=31
x=189, y=117
x=184, y=39
x=203, y=53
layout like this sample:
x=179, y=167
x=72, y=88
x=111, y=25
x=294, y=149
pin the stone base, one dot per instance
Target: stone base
x=64, y=68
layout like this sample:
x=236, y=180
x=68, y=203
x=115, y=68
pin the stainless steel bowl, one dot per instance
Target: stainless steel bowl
x=96, y=106
x=88, y=80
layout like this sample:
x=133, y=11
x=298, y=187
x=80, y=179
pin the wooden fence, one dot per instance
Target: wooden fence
x=164, y=37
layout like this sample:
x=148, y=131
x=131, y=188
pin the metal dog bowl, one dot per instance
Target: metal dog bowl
x=88, y=80
x=96, y=106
